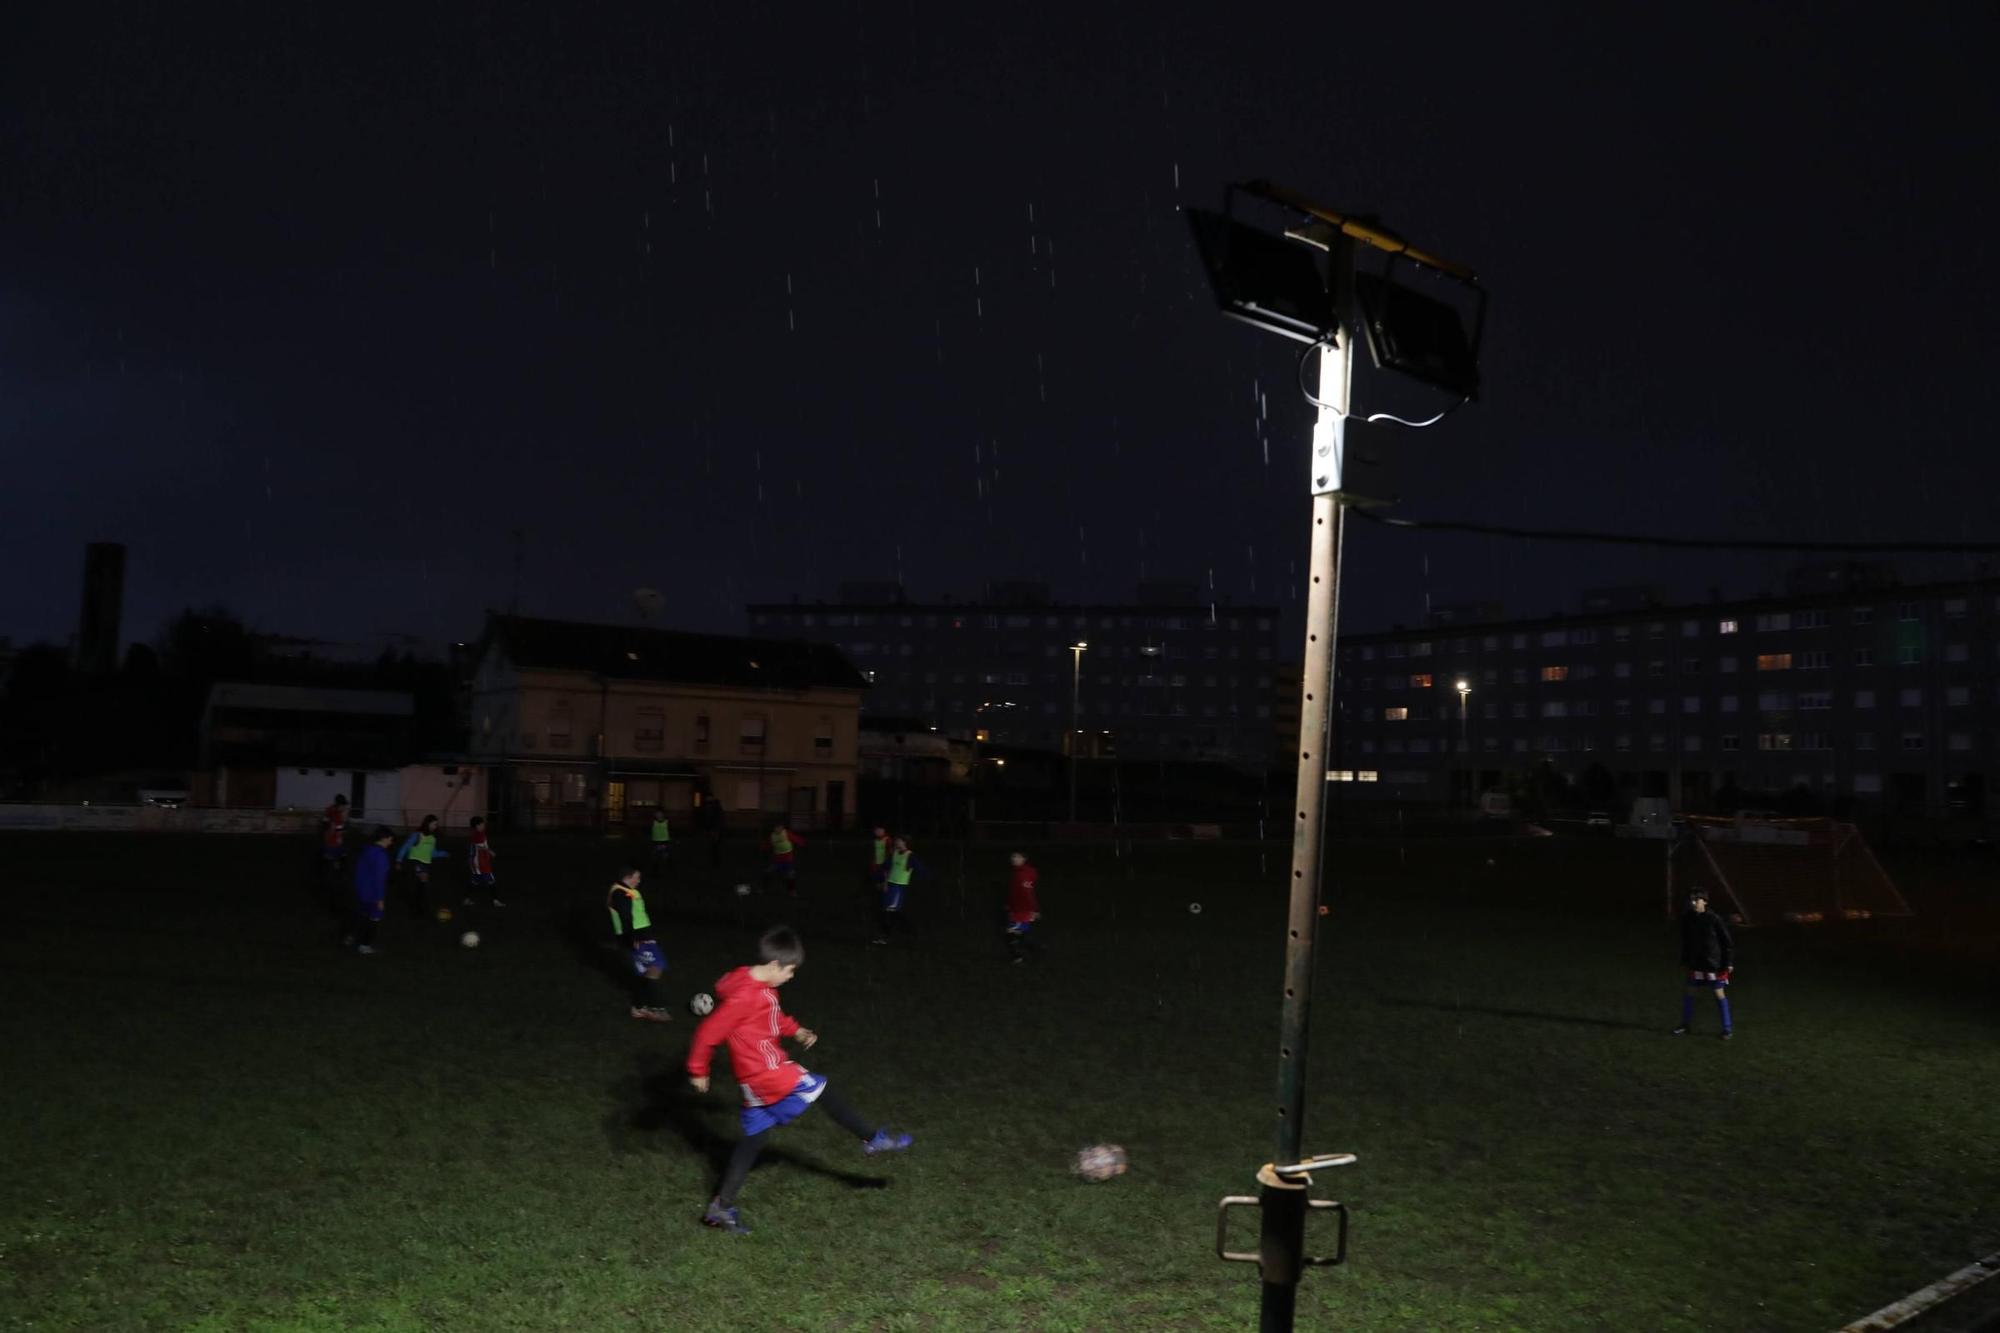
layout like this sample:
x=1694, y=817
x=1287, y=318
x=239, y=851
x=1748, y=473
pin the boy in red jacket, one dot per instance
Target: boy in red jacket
x=1023, y=909
x=776, y=1090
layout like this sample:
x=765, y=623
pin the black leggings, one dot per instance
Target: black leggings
x=747, y=1151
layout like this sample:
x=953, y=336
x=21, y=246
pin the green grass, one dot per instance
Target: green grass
x=212, y=1119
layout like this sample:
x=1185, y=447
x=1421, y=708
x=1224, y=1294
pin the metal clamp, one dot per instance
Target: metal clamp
x=1296, y=1176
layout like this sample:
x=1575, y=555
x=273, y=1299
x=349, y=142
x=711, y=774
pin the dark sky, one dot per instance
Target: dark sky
x=314, y=309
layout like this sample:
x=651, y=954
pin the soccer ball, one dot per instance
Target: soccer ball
x=470, y=939
x=703, y=1003
x=743, y=890
x=1101, y=1162
x=444, y=914
x=1195, y=908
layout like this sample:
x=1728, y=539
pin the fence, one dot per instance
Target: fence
x=152, y=819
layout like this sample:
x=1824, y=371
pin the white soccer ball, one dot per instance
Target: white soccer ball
x=1195, y=908
x=703, y=1003
x=1101, y=1162
x=743, y=890
x=470, y=939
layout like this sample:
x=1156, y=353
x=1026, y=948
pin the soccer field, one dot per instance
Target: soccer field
x=215, y=1119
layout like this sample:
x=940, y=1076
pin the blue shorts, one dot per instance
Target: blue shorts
x=786, y=867
x=1020, y=928
x=423, y=869
x=892, y=897
x=648, y=955
x=757, y=1119
x=484, y=881
x=1708, y=980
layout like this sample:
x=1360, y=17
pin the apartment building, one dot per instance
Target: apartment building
x=1869, y=695
x=1165, y=676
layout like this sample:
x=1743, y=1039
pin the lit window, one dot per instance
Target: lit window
x=1726, y=627
x=1395, y=714
x=1774, y=661
x=1421, y=681
x=1555, y=673
x=1774, y=740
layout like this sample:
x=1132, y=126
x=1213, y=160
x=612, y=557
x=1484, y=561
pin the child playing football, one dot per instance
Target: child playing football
x=479, y=860
x=897, y=874
x=371, y=891
x=783, y=843
x=420, y=850
x=1023, y=909
x=631, y=924
x=776, y=1089
x=1707, y=955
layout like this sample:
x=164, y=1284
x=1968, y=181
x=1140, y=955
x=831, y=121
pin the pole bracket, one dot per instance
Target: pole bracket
x=1287, y=1183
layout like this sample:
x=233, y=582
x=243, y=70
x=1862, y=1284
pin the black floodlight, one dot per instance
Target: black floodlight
x=1421, y=336
x=1263, y=279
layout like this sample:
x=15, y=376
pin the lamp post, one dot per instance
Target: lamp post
x=978, y=735
x=1076, y=651
x=1464, y=755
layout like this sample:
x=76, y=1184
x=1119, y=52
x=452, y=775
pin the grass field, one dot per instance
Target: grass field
x=214, y=1119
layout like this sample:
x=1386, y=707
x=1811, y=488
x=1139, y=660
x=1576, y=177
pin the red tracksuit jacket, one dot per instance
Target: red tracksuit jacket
x=747, y=1016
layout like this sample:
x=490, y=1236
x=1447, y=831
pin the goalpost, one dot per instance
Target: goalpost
x=1799, y=870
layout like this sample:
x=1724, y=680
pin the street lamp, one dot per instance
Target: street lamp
x=978, y=735
x=1076, y=651
x=1465, y=755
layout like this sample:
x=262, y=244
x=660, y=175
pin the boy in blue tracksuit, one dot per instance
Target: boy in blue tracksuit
x=371, y=891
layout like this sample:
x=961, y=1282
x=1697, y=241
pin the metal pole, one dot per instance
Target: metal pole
x=1281, y=1239
x=1075, y=688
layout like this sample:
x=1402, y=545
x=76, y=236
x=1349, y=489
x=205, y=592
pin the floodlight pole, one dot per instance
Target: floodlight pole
x=1281, y=1239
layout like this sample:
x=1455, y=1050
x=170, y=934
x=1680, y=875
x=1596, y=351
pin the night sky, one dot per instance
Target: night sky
x=315, y=309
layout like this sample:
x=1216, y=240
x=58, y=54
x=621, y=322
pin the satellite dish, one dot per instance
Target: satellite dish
x=648, y=602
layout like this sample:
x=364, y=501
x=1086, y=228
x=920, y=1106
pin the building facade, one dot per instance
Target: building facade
x=1165, y=677
x=600, y=724
x=1874, y=698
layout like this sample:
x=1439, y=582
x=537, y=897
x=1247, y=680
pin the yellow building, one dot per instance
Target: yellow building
x=597, y=725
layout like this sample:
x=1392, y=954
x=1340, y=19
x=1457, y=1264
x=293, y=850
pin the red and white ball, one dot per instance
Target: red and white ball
x=1100, y=1162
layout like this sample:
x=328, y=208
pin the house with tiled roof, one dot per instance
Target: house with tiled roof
x=598, y=725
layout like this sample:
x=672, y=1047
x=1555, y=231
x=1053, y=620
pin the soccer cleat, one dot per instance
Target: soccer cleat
x=1680, y=1031
x=878, y=940
x=498, y=903
x=364, y=948
x=468, y=902
x=652, y=1015
x=1727, y=1035
x=884, y=1141
x=724, y=1219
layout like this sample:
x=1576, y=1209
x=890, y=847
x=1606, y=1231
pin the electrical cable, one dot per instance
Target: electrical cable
x=1681, y=543
x=1318, y=343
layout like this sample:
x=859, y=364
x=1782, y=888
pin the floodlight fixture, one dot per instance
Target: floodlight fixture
x=1281, y=283
x=1262, y=278
x=1421, y=336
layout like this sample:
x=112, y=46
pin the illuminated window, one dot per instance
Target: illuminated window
x=1726, y=627
x=1555, y=673
x=1774, y=661
x=1774, y=740
x=1395, y=714
x=1421, y=681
